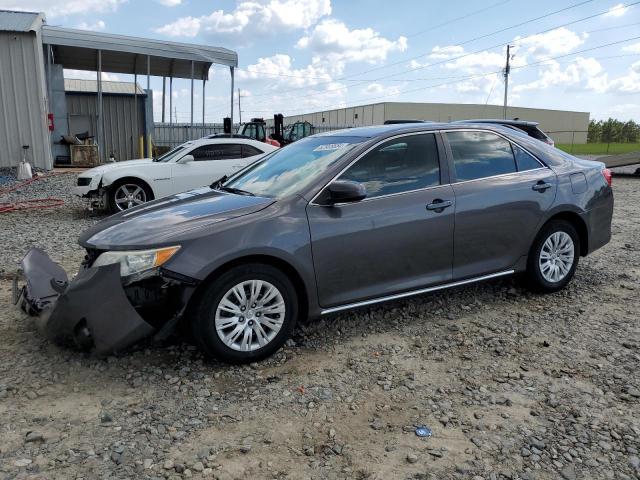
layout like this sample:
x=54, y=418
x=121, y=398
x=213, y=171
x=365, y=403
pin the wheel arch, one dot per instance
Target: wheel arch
x=289, y=270
x=578, y=223
x=130, y=178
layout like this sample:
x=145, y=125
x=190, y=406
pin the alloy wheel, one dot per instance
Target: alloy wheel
x=250, y=315
x=129, y=195
x=556, y=256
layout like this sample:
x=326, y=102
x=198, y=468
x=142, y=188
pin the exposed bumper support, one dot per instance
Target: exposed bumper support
x=91, y=312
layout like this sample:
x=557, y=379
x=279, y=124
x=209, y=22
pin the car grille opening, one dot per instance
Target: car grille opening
x=83, y=182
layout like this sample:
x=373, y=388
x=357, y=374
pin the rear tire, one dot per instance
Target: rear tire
x=246, y=314
x=553, y=257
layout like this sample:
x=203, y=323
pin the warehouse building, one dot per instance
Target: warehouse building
x=562, y=125
x=36, y=108
x=124, y=124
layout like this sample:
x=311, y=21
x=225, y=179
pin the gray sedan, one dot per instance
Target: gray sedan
x=330, y=223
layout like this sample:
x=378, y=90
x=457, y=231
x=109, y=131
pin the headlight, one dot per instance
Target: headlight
x=136, y=261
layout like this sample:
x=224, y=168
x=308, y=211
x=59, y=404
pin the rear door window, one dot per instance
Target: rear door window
x=535, y=132
x=399, y=165
x=480, y=155
x=250, y=151
x=524, y=160
x=224, y=151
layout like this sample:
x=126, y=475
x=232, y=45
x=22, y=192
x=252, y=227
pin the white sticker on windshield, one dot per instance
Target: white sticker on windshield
x=329, y=146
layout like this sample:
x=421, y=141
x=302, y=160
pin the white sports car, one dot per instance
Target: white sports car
x=194, y=164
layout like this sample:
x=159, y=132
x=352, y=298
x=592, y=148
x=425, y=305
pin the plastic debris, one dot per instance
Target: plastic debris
x=423, y=431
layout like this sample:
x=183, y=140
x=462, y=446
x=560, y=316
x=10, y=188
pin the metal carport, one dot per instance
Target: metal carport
x=103, y=52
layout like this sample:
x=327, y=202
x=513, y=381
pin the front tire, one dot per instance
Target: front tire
x=246, y=314
x=553, y=257
x=126, y=194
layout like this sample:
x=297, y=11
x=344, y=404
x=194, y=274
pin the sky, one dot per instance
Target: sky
x=299, y=56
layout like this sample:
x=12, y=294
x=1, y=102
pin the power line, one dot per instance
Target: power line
x=461, y=44
x=453, y=20
x=488, y=74
x=359, y=80
x=452, y=59
x=589, y=17
x=473, y=76
x=430, y=29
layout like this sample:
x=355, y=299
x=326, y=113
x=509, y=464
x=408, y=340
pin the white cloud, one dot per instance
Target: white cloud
x=252, y=17
x=333, y=41
x=626, y=84
x=312, y=85
x=170, y=3
x=475, y=62
x=581, y=72
x=278, y=69
x=556, y=42
x=183, y=27
x=54, y=8
x=633, y=48
x=617, y=10
x=99, y=25
x=380, y=90
x=445, y=52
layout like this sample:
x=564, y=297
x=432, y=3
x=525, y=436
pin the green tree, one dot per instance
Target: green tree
x=595, y=131
x=630, y=132
x=611, y=131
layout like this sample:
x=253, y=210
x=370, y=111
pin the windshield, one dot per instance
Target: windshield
x=290, y=169
x=171, y=154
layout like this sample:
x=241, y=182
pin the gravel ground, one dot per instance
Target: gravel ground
x=55, y=230
x=513, y=385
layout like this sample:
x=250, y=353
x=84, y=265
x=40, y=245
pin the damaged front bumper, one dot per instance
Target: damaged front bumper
x=94, y=311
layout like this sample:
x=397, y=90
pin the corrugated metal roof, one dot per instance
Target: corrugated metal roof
x=12, y=21
x=78, y=49
x=91, y=86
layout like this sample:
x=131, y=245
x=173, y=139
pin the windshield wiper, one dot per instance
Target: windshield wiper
x=236, y=191
x=218, y=183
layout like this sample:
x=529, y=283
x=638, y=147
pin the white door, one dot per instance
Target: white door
x=210, y=163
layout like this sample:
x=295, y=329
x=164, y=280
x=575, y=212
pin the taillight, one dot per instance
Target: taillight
x=606, y=173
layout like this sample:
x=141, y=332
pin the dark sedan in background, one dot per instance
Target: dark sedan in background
x=330, y=223
x=530, y=128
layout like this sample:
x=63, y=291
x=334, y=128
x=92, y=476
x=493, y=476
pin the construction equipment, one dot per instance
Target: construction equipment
x=256, y=129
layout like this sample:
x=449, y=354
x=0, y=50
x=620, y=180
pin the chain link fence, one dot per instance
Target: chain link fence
x=171, y=135
x=167, y=135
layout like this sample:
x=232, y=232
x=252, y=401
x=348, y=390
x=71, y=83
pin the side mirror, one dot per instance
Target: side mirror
x=346, y=191
x=186, y=159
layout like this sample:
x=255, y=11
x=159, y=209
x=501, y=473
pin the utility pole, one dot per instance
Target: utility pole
x=507, y=69
x=239, y=109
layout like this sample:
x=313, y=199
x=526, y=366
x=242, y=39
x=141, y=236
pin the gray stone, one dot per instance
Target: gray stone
x=568, y=473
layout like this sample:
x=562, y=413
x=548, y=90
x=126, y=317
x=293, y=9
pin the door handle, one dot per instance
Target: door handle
x=541, y=186
x=439, y=205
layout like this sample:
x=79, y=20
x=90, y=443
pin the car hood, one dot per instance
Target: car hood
x=110, y=167
x=169, y=219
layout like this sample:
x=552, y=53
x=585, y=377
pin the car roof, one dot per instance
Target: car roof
x=222, y=140
x=376, y=130
x=383, y=130
x=228, y=135
x=499, y=121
